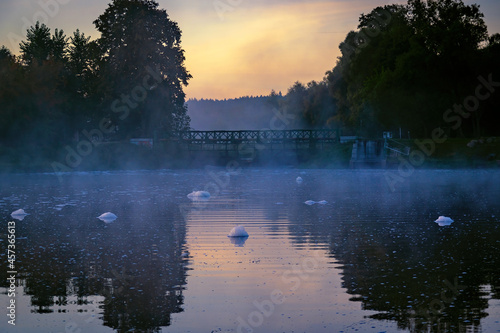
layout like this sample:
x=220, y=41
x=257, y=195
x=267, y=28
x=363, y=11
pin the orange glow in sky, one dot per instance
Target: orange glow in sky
x=233, y=47
x=259, y=50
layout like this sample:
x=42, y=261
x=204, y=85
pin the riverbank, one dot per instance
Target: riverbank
x=451, y=154
x=454, y=153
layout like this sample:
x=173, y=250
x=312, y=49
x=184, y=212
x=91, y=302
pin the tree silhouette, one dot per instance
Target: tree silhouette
x=138, y=38
x=40, y=46
x=408, y=64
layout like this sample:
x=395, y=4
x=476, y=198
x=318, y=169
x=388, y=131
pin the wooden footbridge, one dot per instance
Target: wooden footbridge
x=259, y=140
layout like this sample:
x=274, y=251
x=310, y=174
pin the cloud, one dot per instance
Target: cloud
x=255, y=46
x=262, y=48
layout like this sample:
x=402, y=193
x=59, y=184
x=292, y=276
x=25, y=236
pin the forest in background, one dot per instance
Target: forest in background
x=416, y=67
x=407, y=68
x=243, y=113
x=419, y=66
x=127, y=83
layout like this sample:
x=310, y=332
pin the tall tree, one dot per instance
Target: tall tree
x=137, y=39
x=421, y=61
x=37, y=48
x=40, y=46
x=489, y=65
x=84, y=66
x=59, y=45
x=46, y=103
x=452, y=33
x=10, y=73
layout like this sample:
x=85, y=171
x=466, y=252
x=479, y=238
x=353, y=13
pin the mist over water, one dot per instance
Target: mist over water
x=370, y=259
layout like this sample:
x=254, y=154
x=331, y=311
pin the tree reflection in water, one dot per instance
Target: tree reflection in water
x=395, y=260
x=134, y=263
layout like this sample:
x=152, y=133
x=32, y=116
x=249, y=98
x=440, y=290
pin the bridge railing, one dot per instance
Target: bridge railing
x=397, y=147
x=264, y=139
x=263, y=135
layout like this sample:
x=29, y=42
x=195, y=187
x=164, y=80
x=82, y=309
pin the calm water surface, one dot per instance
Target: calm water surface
x=369, y=260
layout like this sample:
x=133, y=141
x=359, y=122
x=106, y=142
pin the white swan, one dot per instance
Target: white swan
x=199, y=195
x=238, y=231
x=107, y=217
x=299, y=180
x=312, y=202
x=444, y=221
x=19, y=214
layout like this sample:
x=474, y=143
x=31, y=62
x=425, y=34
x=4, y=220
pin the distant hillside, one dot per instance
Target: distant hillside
x=245, y=113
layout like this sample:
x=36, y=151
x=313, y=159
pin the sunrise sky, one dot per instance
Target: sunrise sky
x=233, y=47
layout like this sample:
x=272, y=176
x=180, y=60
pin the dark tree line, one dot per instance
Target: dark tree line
x=128, y=82
x=413, y=66
x=243, y=113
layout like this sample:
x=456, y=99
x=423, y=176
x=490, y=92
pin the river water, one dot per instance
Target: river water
x=370, y=259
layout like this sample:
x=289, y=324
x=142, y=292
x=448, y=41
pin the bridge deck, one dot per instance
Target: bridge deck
x=264, y=139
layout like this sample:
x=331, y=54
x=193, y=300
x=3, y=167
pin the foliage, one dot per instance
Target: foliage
x=403, y=68
x=61, y=86
x=135, y=36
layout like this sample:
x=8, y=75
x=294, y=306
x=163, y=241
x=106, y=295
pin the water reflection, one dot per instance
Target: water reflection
x=394, y=260
x=238, y=241
x=397, y=261
x=135, y=263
